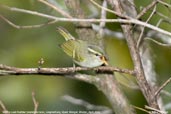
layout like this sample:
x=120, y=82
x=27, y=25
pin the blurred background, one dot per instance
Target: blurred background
x=25, y=47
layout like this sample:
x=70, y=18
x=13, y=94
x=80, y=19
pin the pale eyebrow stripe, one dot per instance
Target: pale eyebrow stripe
x=91, y=50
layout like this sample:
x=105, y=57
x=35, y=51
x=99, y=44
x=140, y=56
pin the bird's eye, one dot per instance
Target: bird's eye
x=97, y=54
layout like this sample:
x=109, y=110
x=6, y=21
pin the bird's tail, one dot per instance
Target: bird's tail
x=65, y=33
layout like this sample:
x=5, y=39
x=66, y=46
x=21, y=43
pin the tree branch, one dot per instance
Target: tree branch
x=153, y=3
x=4, y=110
x=8, y=70
x=57, y=19
x=106, y=81
x=26, y=26
x=141, y=36
x=140, y=76
x=87, y=105
x=162, y=86
x=35, y=102
x=56, y=8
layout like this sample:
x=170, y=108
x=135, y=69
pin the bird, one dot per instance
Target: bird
x=82, y=53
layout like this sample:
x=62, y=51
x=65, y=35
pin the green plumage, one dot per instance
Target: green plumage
x=65, y=34
x=73, y=49
x=83, y=54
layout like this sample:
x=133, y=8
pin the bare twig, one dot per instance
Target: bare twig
x=156, y=110
x=162, y=86
x=141, y=109
x=4, y=110
x=56, y=8
x=105, y=81
x=129, y=21
x=58, y=71
x=108, y=10
x=164, y=3
x=103, y=16
x=28, y=26
x=159, y=22
x=138, y=66
x=153, y=3
x=165, y=18
x=164, y=38
x=159, y=43
x=87, y=105
x=7, y=70
x=36, y=104
x=143, y=28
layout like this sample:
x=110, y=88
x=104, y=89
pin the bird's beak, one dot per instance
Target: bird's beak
x=104, y=61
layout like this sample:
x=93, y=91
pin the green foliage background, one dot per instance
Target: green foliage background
x=24, y=47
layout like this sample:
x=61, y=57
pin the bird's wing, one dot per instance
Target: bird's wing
x=76, y=49
x=65, y=34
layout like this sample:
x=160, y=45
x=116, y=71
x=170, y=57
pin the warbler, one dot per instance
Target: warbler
x=81, y=52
